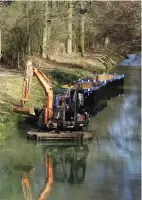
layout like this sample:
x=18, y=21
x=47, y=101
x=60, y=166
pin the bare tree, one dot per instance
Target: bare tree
x=46, y=30
x=69, y=41
x=90, y=26
x=28, y=27
x=83, y=11
x=0, y=46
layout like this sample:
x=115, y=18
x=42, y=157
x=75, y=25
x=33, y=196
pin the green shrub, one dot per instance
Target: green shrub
x=64, y=77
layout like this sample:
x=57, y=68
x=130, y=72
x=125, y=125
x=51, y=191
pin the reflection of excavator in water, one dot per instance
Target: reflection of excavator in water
x=62, y=111
x=63, y=164
x=69, y=164
x=26, y=180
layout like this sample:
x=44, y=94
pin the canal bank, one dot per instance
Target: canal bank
x=59, y=73
x=108, y=168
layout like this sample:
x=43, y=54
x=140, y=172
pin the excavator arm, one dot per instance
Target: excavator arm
x=30, y=70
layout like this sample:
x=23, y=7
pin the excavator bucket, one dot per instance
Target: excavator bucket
x=24, y=110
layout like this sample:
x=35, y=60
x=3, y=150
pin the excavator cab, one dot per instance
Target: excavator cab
x=69, y=109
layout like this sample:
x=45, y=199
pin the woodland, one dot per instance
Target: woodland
x=56, y=28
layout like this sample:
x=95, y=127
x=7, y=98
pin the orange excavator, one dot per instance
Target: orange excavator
x=62, y=110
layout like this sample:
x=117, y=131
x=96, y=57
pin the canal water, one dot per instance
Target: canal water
x=108, y=168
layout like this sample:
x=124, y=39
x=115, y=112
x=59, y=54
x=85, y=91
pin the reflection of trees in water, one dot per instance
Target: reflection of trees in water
x=119, y=173
x=130, y=108
x=127, y=123
x=125, y=127
x=132, y=77
x=114, y=179
x=121, y=117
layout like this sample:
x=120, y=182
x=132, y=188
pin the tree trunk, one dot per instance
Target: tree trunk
x=53, y=6
x=69, y=41
x=0, y=46
x=46, y=30
x=28, y=28
x=82, y=21
x=18, y=61
x=23, y=56
x=106, y=42
x=82, y=34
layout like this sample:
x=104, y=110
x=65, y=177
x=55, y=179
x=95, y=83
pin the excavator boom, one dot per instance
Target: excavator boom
x=30, y=70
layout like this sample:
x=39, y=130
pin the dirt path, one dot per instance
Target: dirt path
x=9, y=73
x=90, y=61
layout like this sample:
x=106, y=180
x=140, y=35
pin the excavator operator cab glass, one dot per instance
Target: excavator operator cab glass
x=77, y=96
x=59, y=99
x=68, y=98
x=80, y=99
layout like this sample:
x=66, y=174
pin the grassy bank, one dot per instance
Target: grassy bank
x=11, y=88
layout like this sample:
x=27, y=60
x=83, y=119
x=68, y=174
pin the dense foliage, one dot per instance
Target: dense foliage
x=110, y=26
